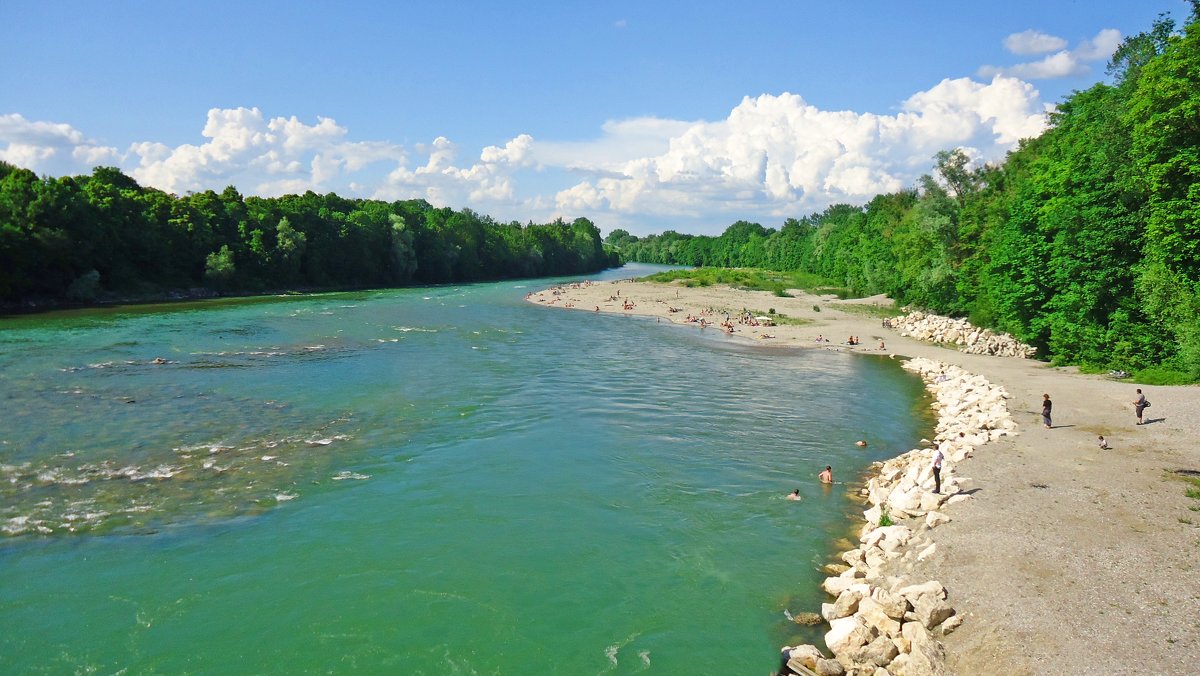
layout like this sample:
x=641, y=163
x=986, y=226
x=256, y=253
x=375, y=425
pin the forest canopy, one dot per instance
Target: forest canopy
x=1084, y=242
x=79, y=238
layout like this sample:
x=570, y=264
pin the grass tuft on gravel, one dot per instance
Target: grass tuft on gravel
x=751, y=279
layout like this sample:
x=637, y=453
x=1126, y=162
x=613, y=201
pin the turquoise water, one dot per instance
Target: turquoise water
x=421, y=481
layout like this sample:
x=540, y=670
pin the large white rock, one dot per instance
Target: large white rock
x=827, y=612
x=931, y=611
x=846, y=634
x=805, y=656
x=953, y=622
x=872, y=515
x=846, y=603
x=913, y=634
x=853, y=557
x=893, y=605
x=875, y=559
x=829, y=668
x=888, y=538
x=874, y=615
x=935, y=519
x=879, y=652
x=925, y=656
x=913, y=591
x=931, y=501
x=874, y=537
x=904, y=499
x=834, y=586
x=855, y=575
x=927, y=552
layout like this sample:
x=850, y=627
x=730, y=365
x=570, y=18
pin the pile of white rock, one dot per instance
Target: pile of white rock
x=881, y=623
x=974, y=340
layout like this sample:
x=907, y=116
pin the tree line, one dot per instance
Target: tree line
x=1084, y=242
x=83, y=238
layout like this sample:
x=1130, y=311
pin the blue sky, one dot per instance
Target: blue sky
x=641, y=115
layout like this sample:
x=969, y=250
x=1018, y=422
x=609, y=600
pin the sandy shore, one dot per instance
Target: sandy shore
x=1068, y=559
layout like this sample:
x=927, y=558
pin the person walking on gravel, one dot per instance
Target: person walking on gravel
x=1046, y=406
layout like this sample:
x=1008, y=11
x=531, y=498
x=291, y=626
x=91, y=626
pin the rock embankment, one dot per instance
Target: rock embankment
x=880, y=622
x=971, y=339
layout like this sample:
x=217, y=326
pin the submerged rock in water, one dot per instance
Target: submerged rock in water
x=807, y=619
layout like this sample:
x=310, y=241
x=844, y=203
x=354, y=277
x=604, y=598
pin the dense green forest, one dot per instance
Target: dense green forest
x=83, y=238
x=1084, y=242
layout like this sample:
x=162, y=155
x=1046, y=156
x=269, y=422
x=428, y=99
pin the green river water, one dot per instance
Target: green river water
x=419, y=481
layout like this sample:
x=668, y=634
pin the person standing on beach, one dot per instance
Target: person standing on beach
x=1046, y=406
x=1140, y=405
x=826, y=475
x=938, y=456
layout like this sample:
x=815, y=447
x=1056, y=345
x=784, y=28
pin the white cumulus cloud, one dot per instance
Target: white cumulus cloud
x=1101, y=47
x=49, y=147
x=1062, y=63
x=270, y=157
x=782, y=155
x=1033, y=42
x=485, y=184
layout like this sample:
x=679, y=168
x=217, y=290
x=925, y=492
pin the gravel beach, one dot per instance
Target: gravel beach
x=1068, y=558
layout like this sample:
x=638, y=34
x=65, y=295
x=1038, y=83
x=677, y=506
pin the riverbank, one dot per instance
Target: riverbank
x=1068, y=558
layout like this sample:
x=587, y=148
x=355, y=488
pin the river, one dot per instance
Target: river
x=441, y=480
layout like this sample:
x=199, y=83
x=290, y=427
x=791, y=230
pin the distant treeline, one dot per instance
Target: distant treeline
x=1085, y=242
x=79, y=238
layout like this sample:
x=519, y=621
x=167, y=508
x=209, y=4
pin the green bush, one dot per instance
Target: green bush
x=1162, y=376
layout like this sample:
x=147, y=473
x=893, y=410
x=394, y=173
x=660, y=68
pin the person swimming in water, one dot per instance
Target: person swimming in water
x=794, y=495
x=826, y=475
